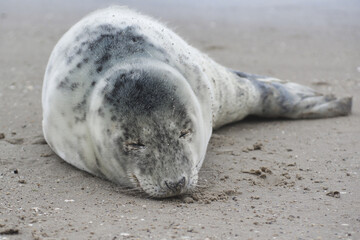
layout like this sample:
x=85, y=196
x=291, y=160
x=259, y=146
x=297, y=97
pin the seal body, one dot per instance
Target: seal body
x=127, y=99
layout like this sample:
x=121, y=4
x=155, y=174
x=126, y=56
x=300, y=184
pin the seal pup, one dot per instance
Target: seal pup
x=126, y=99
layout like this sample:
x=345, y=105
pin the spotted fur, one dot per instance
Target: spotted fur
x=127, y=99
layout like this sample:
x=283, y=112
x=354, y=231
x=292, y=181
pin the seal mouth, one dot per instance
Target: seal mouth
x=169, y=189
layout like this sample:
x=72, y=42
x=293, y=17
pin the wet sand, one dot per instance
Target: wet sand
x=302, y=183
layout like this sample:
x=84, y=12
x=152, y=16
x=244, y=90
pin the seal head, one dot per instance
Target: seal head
x=146, y=124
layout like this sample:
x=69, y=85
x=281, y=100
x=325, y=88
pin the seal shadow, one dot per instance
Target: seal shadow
x=67, y=173
x=209, y=174
x=69, y=177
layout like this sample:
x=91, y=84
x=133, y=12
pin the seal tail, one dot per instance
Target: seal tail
x=277, y=98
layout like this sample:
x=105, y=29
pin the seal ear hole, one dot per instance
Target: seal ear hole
x=134, y=145
x=184, y=133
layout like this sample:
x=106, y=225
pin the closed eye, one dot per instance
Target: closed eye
x=136, y=145
x=184, y=133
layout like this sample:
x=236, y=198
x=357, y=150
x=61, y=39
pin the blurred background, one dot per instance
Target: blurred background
x=259, y=31
x=312, y=42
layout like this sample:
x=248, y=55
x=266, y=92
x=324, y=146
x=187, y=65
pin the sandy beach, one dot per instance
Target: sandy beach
x=262, y=179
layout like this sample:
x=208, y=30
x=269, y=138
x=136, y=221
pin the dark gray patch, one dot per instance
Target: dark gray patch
x=106, y=57
x=74, y=85
x=108, y=132
x=79, y=107
x=239, y=92
x=115, y=42
x=101, y=112
x=80, y=118
x=276, y=100
x=99, y=69
x=106, y=42
x=284, y=98
x=66, y=84
x=138, y=92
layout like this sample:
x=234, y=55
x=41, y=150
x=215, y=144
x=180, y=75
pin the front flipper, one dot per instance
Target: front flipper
x=277, y=98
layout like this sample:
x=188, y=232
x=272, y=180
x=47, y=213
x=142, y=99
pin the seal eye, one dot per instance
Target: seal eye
x=134, y=145
x=184, y=133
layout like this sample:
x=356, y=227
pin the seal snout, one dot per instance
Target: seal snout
x=176, y=186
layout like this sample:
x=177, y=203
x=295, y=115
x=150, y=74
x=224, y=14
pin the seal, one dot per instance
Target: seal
x=126, y=99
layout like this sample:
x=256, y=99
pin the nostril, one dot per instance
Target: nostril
x=176, y=186
x=182, y=182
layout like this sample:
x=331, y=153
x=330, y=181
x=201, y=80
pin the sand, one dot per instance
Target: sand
x=262, y=179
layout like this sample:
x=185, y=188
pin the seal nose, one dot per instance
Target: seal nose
x=176, y=187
